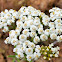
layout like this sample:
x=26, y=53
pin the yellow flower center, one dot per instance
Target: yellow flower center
x=59, y=24
x=7, y=40
x=25, y=24
x=15, y=32
x=26, y=43
x=36, y=39
x=19, y=25
x=58, y=21
x=44, y=37
x=35, y=12
x=31, y=23
x=33, y=28
x=52, y=23
x=19, y=55
x=37, y=56
x=33, y=33
x=14, y=16
x=53, y=13
x=46, y=20
x=38, y=48
x=22, y=37
x=47, y=30
x=9, y=32
x=41, y=30
x=60, y=38
x=14, y=10
x=16, y=50
x=22, y=48
x=29, y=50
x=10, y=21
x=25, y=32
x=8, y=15
x=24, y=11
x=4, y=29
x=19, y=10
x=14, y=41
x=30, y=57
x=32, y=45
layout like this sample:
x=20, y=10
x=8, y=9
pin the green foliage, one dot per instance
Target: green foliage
x=12, y=56
x=18, y=60
x=13, y=60
x=13, y=26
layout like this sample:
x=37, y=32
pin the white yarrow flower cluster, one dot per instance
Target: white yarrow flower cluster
x=7, y=17
x=56, y=23
x=24, y=37
x=30, y=32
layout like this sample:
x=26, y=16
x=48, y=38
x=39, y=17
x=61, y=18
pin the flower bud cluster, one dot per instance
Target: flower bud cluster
x=49, y=52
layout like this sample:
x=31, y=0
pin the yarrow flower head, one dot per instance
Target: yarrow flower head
x=32, y=28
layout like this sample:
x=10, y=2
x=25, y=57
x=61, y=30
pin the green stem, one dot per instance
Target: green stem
x=13, y=60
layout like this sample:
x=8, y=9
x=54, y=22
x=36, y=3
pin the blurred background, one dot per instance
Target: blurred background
x=43, y=5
